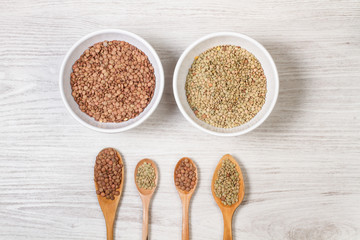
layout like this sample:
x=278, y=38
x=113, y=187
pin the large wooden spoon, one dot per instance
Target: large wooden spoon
x=109, y=206
x=146, y=195
x=228, y=211
x=185, y=200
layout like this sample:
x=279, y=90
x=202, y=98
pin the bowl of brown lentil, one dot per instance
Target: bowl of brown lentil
x=226, y=84
x=111, y=80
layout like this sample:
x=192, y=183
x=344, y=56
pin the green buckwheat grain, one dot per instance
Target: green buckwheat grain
x=226, y=86
x=227, y=184
x=145, y=176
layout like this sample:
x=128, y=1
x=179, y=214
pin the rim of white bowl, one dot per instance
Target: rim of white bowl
x=221, y=34
x=150, y=111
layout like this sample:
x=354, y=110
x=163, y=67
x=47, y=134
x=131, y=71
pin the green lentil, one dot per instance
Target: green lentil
x=227, y=184
x=226, y=86
x=145, y=176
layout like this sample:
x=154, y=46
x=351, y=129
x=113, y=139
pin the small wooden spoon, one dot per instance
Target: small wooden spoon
x=228, y=211
x=146, y=196
x=185, y=200
x=109, y=206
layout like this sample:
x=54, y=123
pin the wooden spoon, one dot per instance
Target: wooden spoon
x=146, y=196
x=185, y=200
x=109, y=206
x=228, y=211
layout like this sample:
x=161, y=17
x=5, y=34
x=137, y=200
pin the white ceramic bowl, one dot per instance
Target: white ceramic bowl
x=77, y=50
x=226, y=38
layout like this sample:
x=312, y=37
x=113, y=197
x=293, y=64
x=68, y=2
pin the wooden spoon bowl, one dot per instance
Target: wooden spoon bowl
x=185, y=199
x=109, y=206
x=146, y=195
x=228, y=211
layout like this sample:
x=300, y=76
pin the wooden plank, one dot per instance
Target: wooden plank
x=301, y=167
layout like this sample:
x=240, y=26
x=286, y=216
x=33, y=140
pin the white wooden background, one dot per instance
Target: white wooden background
x=302, y=166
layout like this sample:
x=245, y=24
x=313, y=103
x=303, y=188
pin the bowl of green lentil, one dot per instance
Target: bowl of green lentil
x=226, y=84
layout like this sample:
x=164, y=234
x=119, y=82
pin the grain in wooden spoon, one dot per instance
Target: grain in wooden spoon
x=146, y=194
x=228, y=210
x=109, y=206
x=185, y=192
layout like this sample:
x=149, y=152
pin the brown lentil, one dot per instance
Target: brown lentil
x=185, y=175
x=108, y=173
x=226, y=86
x=227, y=184
x=145, y=176
x=112, y=81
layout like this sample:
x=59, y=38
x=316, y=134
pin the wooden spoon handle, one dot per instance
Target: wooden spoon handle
x=185, y=219
x=145, y=228
x=227, y=226
x=110, y=229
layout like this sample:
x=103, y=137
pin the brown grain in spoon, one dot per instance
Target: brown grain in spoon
x=146, y=195
x=185, y=197
x=228, y=211
x=109, y=206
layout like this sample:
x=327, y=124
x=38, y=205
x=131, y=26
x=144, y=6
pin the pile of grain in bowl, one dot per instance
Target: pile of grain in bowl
x=226, y=86
x=112, y=81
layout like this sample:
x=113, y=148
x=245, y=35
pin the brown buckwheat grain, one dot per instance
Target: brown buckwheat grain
x=108, y=173
x=185, y=175
x=112, y=81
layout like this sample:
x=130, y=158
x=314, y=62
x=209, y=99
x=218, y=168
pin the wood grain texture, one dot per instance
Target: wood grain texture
x=301, y=167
